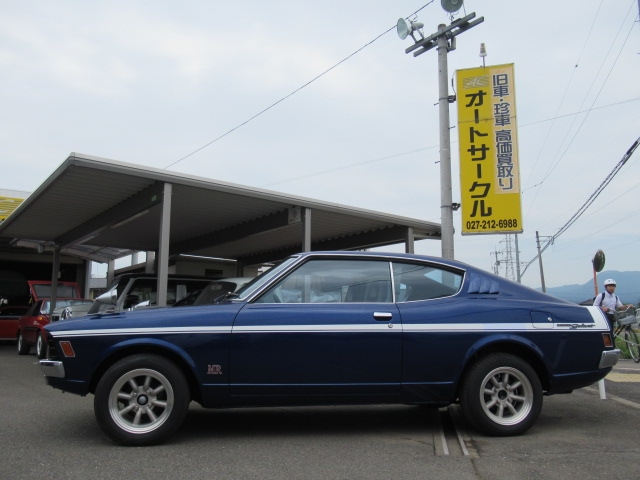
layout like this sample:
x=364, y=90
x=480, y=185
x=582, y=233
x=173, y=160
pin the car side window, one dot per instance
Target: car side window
x=333, y=281
x=142, y=290
x=414, y=281
x=34, y=309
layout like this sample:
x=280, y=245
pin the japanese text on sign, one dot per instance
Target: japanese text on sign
x=489, y=173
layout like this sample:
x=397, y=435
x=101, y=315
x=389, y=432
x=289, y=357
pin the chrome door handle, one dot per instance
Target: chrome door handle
x=382, y=316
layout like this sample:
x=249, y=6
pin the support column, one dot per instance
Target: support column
x=163, y=245
x=111, y=270
x=150, y=262
x=54, y=276
x=306, y=230
x=409, y=241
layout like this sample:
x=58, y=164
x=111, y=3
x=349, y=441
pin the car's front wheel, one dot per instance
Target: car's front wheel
x=41, y=347
x=141, y=400
x=501, y=395
x=23, y=347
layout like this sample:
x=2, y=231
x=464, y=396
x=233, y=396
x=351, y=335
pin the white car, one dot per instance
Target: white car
x=213, y=291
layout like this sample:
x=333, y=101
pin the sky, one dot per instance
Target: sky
x=319, y=99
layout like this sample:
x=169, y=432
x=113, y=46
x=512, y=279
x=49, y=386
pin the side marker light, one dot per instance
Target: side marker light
x=67, y=349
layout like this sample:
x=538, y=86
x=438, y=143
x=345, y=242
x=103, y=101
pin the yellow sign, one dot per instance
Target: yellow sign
x=489, y=171
x=8, y=205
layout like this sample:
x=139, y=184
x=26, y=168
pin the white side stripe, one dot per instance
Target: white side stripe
x=367, y=328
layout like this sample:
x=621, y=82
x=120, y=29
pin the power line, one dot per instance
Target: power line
x=561, y=154
x=589, y=201
x=292, y=93
x=388, y=157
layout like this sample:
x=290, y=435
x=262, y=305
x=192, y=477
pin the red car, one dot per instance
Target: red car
x=41, y=289
x=9, y=316
x=31, y=325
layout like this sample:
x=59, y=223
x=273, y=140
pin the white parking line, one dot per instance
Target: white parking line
x=615, y=398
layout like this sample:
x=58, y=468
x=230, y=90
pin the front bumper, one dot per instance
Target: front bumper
x=608, y=358
x=52, y=368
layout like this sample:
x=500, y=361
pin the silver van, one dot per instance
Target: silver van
x=134, y=290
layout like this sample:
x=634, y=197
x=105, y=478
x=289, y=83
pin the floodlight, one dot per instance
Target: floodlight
x=451, y=6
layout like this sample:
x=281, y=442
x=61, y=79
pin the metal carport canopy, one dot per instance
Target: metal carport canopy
x=94, y=207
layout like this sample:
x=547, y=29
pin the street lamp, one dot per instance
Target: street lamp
x=444, y=40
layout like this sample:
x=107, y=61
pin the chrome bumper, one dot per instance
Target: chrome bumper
x=608, y=358
x=52, y=368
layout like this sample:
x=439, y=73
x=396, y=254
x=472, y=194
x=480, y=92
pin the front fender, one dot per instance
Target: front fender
x=135, y=346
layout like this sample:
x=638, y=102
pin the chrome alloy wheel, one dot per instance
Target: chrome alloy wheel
x=140, y=401
x=506, y=395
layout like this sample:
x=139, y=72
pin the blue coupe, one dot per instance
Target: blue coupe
x=327, y=328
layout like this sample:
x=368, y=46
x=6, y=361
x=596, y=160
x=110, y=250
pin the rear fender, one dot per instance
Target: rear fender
x=508, y=343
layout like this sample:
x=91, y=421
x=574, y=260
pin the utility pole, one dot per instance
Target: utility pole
x=444, y=40
x=446, y=200
x=496, y=263
x=544, y=289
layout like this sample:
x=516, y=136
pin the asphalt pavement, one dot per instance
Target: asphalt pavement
x=47, y=434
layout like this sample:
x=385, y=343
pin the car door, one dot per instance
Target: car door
x=30, y=323
x=329, y=328
x=435, y=324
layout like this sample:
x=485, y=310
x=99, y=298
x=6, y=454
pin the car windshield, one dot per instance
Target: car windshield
x=63, y=291
x=259, y=281
x=60, y=304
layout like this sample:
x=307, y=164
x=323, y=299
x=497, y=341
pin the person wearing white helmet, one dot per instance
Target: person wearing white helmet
x=608, y=301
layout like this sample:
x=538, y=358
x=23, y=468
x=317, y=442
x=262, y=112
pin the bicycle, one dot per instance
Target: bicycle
x=625, y=320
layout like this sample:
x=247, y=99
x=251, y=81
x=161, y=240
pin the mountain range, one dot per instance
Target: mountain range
x=628, y=288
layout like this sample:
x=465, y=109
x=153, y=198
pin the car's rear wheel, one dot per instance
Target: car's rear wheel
x=141, y=400
x=23, y=348
x=41, y=347
x=501, y=395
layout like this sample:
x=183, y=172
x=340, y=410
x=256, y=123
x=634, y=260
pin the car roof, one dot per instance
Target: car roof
x=153, y=275
x=390, y=255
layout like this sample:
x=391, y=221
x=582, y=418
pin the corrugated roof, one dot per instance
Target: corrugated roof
x=100, y=208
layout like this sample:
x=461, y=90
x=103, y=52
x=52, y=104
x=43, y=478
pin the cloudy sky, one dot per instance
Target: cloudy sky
x=319, y=99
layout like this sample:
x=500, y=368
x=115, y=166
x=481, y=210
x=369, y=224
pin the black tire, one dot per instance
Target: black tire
x=632, y=343
x=41, y=347
x=141, y=400
x=23, y=348
x=501, y=395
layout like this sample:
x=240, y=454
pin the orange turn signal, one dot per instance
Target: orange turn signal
x=606, y=339
x=67, y=349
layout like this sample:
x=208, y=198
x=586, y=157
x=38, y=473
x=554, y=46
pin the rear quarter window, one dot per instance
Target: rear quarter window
x=414, y=282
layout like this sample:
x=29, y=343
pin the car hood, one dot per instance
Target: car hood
x=222, y=314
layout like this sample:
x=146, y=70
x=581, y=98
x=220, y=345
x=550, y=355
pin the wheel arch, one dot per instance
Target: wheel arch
x=517, y=347
x=167, y=351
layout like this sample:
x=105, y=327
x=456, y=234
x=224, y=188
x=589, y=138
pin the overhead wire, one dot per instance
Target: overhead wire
x=590, y=109
x=317, y=77
x=559, y=157
x=566, y=90
x=411, y=152
x=351, y=165
x=550, y=240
